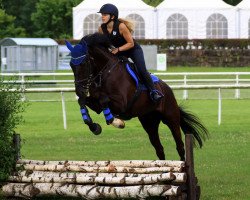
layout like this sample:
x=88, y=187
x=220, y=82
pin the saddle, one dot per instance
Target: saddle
x=132, y=71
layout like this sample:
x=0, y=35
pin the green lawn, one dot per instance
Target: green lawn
x=221, y=166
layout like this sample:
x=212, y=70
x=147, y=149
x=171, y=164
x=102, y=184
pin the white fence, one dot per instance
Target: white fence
x=219, y=87
x=187, y=78
x=238, y=84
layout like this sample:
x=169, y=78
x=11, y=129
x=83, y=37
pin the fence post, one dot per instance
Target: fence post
x=17, y=145
x=237, y=91
x=191, y=180
x=219, y=106
x=64, y=112
x=23, y=87
x=185, y=92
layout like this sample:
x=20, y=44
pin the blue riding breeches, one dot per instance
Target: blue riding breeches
x=137, y=56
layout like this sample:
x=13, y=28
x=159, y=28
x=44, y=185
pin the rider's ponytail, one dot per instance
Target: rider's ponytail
x=129, y=23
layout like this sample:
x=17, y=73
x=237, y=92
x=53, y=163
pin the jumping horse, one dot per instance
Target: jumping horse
x=102, y=83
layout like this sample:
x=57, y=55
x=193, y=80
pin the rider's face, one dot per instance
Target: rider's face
x=105, y=17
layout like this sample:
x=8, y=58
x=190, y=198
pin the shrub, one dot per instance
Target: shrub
x=11, y=108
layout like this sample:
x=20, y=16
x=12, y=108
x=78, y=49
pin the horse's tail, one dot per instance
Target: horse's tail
x=190, y=124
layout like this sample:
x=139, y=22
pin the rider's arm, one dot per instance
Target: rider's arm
x=127, y=36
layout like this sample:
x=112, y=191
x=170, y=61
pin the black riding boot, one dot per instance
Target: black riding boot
x=154, y=94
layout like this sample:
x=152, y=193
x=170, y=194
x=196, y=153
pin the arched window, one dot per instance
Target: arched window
x=139, y=32
x=249, y=28
x=217, y=26
x=177, y=26
x=91, y=23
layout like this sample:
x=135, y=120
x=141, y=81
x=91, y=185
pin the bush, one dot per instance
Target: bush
x=11, y=107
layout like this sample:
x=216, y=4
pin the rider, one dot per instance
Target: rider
x=119, y=33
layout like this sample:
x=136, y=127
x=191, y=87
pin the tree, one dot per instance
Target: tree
x=153, y=2
x=10, y=109
x=53, y=18
x=232, y=2
x=22, y=10
x=7, y=27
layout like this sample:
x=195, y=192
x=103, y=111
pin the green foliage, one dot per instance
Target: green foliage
x=7, y=27
x=153, y=2
x=21, y=10
x=10, y=117
x=232, y=2
x=53, y=18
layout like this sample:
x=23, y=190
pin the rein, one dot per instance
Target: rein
x=86, y=82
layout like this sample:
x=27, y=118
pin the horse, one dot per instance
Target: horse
x=102, y=82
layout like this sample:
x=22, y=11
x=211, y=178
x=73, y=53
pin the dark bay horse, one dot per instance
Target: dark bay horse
x=102, y=81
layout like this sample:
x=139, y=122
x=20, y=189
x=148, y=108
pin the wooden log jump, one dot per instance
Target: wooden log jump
x=139, y=179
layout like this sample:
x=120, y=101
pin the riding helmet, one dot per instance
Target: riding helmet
x=109, y=9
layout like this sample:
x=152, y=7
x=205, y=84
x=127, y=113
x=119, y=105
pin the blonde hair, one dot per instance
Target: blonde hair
x=129, y=23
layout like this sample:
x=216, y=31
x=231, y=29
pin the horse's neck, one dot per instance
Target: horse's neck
x=103, y=58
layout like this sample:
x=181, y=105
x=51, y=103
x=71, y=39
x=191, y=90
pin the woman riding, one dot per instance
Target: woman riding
x=119, y=33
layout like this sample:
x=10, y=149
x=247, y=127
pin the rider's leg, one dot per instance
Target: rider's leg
x=138, y=58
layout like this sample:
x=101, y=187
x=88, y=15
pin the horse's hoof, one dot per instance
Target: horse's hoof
x=96, y=129
x=118, y=123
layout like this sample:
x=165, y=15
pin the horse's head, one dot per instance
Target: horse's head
x=81, y=65
x=85, y=52
x=90, y=58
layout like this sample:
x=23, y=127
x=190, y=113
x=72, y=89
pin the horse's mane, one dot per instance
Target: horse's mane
x=96, y=39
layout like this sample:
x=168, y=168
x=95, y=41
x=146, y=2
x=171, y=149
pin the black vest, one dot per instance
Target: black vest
x=115, y=37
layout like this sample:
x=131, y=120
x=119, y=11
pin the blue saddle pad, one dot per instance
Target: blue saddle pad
x=154, y=78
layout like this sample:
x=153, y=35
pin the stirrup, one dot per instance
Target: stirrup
x=118, y=123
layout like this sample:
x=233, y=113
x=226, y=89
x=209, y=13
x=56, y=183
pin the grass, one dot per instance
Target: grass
x=222, y=166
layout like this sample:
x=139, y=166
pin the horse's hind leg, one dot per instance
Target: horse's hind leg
x=150, y=123
x=173, y=123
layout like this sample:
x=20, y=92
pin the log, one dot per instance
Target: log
x=110, y=168
x=178, y=177
x=88, y=191
x=103, y=180
x=118, y=163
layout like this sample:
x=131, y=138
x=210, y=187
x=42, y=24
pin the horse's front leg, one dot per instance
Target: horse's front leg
x=110, y=119
x=93, y=127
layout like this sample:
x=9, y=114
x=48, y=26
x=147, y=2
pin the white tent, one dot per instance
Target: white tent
x=194, y=15
x=86, y=19
x=244, y=18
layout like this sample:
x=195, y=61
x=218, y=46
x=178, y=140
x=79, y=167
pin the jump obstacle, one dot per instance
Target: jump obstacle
x=138, y=179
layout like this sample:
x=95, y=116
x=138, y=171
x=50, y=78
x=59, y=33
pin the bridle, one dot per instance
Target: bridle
x=86, y=82
x=93, y=78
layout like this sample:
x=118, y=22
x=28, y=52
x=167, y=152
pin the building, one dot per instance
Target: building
x=28, y=54
x=171, y=19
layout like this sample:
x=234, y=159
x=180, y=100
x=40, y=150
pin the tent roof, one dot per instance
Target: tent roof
x=28, y=42
x=193, y=4
x=121, y=4
x=244, y=4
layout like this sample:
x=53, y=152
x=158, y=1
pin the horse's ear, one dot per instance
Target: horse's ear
x=70, y=47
